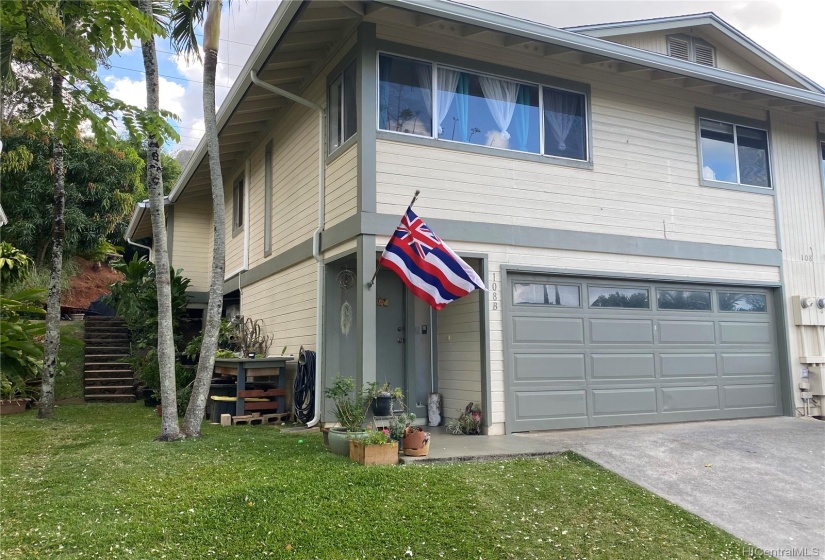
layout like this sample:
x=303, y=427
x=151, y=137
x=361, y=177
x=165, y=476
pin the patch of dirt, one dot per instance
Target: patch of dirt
x=91, y=282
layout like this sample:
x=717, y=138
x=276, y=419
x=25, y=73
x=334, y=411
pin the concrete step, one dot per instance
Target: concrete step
x=107, y=380
x=108, y=387
x=107, y=349
x=97, y=372
x=106, y=364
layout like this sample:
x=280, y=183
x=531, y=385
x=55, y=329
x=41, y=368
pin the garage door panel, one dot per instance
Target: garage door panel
x=548, y=367
x=624, y=401
x=548, y=330
x=598, y=366
x=621, y=331
x=745, y=333
x=748, y=364
x=686, y=399
x=623, y=366
x=748, y=396
x=688, y=365
x=687, y=332
x=531, y=405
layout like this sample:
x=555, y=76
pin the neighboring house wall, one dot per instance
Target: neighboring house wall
x=192, y=226
x=802, y=222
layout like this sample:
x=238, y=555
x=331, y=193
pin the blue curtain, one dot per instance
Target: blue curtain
x=462, y=107
x=384, y=86
x=521, y=118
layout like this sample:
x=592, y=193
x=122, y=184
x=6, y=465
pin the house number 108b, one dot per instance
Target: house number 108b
x=494, y=298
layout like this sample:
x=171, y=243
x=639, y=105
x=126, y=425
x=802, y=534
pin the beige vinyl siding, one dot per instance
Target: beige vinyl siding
x=295, y=175
x=653, y=42
x=802, y=222
x=190, y=252
x=598, y=263
x=459, y=355
x=645, y=176
x=342, y=187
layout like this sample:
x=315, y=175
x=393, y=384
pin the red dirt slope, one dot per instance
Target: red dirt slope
x=89, y=283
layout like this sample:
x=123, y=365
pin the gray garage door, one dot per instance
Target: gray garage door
x=591, y=352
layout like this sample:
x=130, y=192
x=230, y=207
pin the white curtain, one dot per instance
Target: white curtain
x=500, y=96
x=447, y=84
x=561, y=113
x=425, y=82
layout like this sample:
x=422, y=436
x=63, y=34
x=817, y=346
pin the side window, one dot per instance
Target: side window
x=237, y=206
x=733, y=153
x=342, y=108
x=546, y=294
x=743, y=302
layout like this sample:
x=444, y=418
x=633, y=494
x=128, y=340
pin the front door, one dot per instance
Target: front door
x=390, y=336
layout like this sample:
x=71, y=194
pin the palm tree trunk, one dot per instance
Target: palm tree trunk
x=52, y=344
x=169, y=430
x=200, y=390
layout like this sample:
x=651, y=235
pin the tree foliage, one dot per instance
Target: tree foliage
x=102, y=185
x=71, y=38
x=15, y=265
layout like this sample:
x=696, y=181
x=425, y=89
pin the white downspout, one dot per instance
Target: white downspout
x=316, y=236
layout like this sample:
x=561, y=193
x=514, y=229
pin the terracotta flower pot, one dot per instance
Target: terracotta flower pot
x=413, y=439
x=13, y=406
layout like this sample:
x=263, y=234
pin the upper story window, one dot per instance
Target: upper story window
x=733, y=153
x=690, y=48
x=237, y=206
x=436, y=101
x=342, y=108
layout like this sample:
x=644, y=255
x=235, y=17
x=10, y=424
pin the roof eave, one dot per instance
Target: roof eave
x=709, y=18
x=543, y=33
x=272, y=34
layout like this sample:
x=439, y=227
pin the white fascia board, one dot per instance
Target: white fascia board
x=607, y=30
x=546, y=34
x=3, y=219
x=137, y=214
x=272, y=34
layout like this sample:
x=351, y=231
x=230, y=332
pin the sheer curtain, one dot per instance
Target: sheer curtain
x=500, y=96
x=521, y=117
x=462, y=106
x=384, y=66
x=561, y=111
x=425, y=83
x=447, y=86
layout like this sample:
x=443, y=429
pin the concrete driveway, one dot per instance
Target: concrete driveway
x=762, y=480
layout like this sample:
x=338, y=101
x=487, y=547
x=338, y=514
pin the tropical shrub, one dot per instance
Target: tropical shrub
x=135, y=299
x=21, y=349
x=14, y=264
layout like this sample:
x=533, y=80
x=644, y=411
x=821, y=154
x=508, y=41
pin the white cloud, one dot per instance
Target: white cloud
x=133, y=92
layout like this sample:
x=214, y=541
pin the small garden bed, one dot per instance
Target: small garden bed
x=93, y=484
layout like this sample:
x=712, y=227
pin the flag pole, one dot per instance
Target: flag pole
x=371, y=283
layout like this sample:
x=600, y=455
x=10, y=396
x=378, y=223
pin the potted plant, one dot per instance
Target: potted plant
x=416, y=442
x=12, y=398
x=349, y=408
x=381, y=397
x=469, y=423
x=374, y=448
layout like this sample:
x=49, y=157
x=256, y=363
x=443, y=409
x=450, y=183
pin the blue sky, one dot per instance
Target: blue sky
x=788, y=30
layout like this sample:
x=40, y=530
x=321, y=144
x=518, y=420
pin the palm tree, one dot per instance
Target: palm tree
x=183, y=24
x=169, y=430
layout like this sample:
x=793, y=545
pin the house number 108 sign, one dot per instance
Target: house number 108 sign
x=495, y=295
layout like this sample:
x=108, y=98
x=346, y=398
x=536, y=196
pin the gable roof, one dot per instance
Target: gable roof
x=676, y=23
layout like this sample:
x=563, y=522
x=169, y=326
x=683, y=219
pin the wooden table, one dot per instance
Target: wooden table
x=243, y=368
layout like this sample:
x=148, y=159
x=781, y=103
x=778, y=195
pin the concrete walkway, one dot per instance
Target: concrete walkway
x=762, y=480
x=446, y=447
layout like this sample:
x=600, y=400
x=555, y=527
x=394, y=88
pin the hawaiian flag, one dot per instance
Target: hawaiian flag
x=429, y=268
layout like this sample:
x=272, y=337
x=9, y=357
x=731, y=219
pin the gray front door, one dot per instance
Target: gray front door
x=390, y=336
x=592, y=352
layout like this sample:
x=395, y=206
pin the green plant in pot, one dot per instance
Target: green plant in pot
x=381, y=397
x=350, y=409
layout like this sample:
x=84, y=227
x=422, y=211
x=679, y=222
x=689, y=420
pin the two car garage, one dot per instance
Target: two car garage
x=586, y=352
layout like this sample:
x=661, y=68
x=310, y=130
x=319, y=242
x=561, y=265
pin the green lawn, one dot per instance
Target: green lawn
x=69, y=383
x=93, y=484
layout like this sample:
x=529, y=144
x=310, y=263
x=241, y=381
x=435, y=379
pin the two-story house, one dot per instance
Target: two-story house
x=643, y=201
